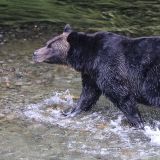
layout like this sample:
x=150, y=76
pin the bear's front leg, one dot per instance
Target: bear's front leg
x=89, y=96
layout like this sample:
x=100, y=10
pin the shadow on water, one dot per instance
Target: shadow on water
x=33, y=95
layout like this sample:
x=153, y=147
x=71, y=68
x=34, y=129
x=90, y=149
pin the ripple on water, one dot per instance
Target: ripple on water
x=118, y=139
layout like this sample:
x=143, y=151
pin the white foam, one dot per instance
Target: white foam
x=57, y=98
x=40, y=113
x=122, y=132
x=153, y=134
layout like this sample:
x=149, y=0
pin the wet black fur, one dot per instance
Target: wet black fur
x=125, y=70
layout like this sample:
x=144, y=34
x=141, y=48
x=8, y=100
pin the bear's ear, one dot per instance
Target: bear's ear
x=67, y=28
x=72, y=38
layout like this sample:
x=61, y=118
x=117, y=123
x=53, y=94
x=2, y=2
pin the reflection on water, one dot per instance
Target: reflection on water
x=32, y=96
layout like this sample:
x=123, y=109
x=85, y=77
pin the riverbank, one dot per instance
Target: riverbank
x=39, y=19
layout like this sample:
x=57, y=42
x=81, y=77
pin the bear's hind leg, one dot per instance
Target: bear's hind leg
x=151, y=86
x=120, y=94
x=128, y=106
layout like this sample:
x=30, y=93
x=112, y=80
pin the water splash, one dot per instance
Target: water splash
x=153, y=134
x=59, y=98
x=95, y=122
x=39, y=112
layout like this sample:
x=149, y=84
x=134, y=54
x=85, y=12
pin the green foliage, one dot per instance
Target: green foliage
x=139, y=17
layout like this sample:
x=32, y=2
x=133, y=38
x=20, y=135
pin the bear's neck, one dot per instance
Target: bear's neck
x=81, y=59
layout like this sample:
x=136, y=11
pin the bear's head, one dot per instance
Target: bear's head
x=55, y=51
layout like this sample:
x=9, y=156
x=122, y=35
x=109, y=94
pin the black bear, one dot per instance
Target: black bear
x=126, y=70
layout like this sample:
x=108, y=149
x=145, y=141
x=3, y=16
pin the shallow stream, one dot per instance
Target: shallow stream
x=32, y=96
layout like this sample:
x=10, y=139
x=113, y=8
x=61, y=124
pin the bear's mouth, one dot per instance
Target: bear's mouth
x=38, y=59
x=41, y=58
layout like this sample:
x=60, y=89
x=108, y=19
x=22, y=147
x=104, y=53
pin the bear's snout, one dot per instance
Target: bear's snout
x=40, y=55
x=35, y=53
x=37, y=57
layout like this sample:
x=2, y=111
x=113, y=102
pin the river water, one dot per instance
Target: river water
x=32, y=96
